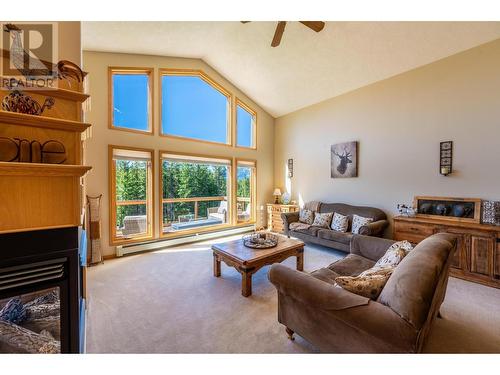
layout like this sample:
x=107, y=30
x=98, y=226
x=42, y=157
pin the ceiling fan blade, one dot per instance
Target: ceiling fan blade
x=280, y=29
x=245, y=21
x=314, y=25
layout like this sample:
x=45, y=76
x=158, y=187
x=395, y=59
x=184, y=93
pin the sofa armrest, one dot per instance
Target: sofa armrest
x=289, y=217
x=311, y=291
x=375, y=228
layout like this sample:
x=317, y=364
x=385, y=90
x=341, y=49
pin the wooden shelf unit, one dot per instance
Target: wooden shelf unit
x=42, y=196
x=477, y=257
x=42, y=122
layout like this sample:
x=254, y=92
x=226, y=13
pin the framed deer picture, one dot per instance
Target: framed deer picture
x=344, y=160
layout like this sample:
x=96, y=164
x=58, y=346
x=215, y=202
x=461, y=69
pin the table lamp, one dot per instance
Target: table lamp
x=277, y=194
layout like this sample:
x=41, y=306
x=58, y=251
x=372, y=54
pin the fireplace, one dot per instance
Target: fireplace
x=40, y=292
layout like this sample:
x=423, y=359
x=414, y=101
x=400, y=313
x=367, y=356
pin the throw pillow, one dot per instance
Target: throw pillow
x=322, y=220
x=339, y=223
x=306, y=216
x=369, y=286
x=358, y=222
x=394, y=254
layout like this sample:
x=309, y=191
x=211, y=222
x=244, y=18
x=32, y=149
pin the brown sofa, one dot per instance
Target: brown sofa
x=335, y=320
x=331, y=238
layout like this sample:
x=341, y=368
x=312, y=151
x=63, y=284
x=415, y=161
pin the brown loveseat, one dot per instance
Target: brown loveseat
x=331, y=238
x=335, y=320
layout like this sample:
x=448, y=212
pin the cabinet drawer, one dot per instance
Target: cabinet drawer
x=414, y=228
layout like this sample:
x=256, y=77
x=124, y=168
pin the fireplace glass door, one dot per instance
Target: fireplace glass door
x=31, y=322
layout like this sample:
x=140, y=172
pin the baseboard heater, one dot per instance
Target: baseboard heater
x=161, y=244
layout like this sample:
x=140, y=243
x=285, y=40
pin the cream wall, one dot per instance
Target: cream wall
x=399, y=123
x=96, y=153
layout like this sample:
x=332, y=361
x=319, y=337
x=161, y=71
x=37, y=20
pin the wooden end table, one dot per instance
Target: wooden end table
x=247, y=261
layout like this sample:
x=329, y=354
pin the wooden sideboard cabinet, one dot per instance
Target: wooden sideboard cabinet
x=274, y=211
x=477, y=257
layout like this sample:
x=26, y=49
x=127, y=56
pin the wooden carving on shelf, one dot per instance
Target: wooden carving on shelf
x=25, y=151
x=18, y=102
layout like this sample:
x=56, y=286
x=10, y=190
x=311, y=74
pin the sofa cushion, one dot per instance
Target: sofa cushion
x=358, y=222
x=298, y=225
x=331, y=235
x=306, y=216
x=312, y=231
x=340, y=223
x=326, y=275
x=411, y=288
x=322, y=220
x=351, y=265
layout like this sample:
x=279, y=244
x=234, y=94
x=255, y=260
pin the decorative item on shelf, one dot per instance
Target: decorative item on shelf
x=445, y=157
x=491, y=212
x=64, y=69
x=260, y=240
x=26, y=151
x=457, y=209
x=285, y=198
x=19, y=102
x=344, y=160
x=277, y=195
x=94, y=214
x=290, y=168
x=406, y=210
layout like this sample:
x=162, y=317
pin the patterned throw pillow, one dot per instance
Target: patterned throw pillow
x=394, y=254
x=368, y=286
x=339, y=222
x=322, y=220
x=306, y=216
x=358, y=222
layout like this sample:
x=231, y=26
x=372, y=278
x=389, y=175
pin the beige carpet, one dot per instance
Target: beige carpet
x=169, y=302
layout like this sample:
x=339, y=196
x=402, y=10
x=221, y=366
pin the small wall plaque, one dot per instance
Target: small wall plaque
x=290, y=168
x=445, y=157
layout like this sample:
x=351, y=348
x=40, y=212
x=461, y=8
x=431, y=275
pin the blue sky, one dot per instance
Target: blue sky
x=130, y=101
x=244, y=129
x=191, y=108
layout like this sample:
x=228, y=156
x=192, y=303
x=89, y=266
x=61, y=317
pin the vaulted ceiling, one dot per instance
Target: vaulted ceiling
x=307, y=67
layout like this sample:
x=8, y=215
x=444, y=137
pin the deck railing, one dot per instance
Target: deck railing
x=197, y=200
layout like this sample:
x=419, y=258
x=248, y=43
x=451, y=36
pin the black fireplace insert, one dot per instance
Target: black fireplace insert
x=40, y=297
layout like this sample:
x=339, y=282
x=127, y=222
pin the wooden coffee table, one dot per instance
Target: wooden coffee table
x=247, y=261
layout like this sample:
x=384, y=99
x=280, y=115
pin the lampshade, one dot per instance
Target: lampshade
x=277, y=191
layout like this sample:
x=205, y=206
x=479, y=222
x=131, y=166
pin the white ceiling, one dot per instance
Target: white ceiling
x=307, y=67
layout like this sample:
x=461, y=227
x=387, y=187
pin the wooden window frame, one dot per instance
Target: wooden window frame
x=253, y=113
x=230, y=187
x=131, y=71
x=253, y=190
x=113, y=239
x=202, y=75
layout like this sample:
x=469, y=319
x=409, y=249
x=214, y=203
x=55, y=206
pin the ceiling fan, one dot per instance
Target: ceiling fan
x=280, y=29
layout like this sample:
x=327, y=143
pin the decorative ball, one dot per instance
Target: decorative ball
x=441, y=209
x=458, y=210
